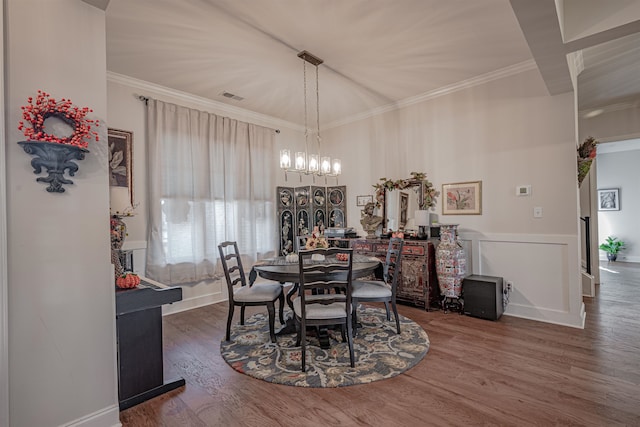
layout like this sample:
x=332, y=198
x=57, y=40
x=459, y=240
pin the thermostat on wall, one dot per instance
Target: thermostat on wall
x=523, y=190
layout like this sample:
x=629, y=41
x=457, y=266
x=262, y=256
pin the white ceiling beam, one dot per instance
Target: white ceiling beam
x=100, y=4
x=603, y=36
x=541, y=28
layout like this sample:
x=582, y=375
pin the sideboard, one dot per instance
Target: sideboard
x=417, y=281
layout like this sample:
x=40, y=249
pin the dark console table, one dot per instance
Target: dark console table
x=417, y=281
x=139, y=342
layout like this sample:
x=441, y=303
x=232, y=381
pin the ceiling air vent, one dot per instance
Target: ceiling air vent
x=232, y=96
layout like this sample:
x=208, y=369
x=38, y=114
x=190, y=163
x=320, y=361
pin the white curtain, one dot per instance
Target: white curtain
x=210, y=180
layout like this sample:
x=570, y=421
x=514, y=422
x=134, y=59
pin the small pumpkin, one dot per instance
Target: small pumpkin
x=128, y=280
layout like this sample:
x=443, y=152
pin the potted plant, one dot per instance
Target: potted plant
x=612, y=246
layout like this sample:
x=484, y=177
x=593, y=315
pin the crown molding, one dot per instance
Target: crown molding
x=273, y=121
x=201, y=101
x=442, y=91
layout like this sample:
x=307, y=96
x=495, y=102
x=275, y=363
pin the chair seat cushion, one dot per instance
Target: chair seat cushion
x=258, y=292
x=370, y=289
x=334, y=310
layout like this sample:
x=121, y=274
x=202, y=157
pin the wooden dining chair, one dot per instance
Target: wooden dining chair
x=259, y=293
x=381, y=290
x=315, y=308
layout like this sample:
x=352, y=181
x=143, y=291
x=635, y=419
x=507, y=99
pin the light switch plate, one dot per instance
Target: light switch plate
x=537, y=212
x=523, y=190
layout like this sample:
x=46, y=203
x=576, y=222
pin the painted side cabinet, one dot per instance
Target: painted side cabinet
x=417, y=281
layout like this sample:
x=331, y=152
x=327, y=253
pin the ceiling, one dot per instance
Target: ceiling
x=377, y=53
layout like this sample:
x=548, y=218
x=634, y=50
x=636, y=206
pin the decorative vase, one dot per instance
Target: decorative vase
x=118, y=233
x=451, y=262
x=612, y=257
x=55, y=158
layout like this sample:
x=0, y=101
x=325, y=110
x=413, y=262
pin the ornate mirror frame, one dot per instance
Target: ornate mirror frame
x=426, y=193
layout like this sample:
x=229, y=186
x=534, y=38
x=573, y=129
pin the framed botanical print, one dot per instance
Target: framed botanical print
x=609, y=199
x=121, y=159
x=363, y=200
x=462, y=198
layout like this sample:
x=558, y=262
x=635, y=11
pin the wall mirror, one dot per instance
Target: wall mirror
x=398, y=200
x=400, y=204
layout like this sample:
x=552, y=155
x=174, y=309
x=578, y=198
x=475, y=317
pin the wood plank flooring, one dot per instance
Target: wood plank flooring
x=512, y=372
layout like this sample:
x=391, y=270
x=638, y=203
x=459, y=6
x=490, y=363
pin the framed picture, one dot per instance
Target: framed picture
x=462, y=198
x=363, y=200
x=121, y=159
x=609, y=199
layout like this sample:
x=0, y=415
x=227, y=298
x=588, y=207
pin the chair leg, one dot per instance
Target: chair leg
x=395, y=313
x=281, y=299
x=272, y=320
x=354, y=315
x=299, y=334
x=386, y=307
x=342, y=329
x=242, y=307
x=229, y=319
x=303, y=344
x=350, y=342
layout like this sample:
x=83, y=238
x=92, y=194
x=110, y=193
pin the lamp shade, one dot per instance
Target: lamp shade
x=421, y=218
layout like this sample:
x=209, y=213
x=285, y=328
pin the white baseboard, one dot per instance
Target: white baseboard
x=191, y=303
x=621, y=258
x=107, y=417
x=547, y=316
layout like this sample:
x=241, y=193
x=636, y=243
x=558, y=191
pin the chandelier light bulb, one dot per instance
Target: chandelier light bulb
x=285, y=159
x=325, y=165
x=313, y=163
x=337, y=167
x=301, y=161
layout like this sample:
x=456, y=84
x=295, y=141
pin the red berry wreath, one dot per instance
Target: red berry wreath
x=44, y=107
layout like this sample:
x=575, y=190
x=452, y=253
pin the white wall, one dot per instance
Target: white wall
x=61, y=315
x=617, y=168
x=505, y=133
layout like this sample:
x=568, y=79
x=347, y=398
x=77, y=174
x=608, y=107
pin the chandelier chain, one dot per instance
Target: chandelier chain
x=318, y=109
x=306, y=127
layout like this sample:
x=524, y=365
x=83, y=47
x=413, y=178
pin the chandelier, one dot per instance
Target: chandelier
x=306, y=162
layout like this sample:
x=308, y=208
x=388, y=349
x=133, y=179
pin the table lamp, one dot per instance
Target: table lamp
x=421, y=219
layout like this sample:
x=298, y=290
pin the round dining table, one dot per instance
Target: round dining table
x=280, y=270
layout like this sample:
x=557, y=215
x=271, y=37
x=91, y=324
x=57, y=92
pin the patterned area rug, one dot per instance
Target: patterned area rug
x=379, y=352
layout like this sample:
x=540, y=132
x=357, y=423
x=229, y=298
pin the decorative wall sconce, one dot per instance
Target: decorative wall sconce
x=55, y=158
x=53, y=152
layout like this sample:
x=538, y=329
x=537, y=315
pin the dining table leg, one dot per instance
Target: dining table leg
x=290, y=323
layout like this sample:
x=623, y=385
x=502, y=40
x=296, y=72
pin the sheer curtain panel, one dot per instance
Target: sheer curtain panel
x=210, y=180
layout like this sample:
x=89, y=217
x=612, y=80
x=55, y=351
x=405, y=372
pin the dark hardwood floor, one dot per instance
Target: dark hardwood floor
x=512, y=372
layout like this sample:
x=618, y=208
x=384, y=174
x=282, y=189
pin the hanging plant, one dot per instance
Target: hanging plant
x=586, y=153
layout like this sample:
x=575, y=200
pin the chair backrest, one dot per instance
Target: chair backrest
x=232, y=265
x=327, y=275
x=391, y=266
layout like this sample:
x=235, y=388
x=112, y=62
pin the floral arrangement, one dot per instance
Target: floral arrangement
x=316, y=241
x=586, y=153
x=430, y=193
x=44, y=106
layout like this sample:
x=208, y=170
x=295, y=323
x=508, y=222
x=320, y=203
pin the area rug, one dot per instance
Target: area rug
x=379, y=352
